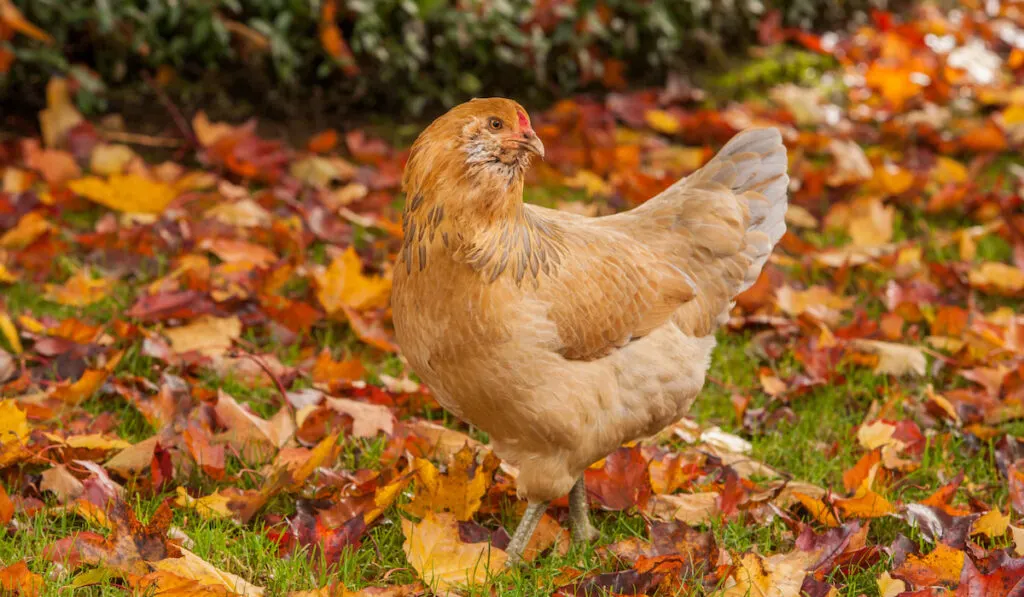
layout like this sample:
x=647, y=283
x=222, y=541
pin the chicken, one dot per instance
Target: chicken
x=564, y=336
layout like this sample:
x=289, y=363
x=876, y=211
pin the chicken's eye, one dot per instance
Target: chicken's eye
x=496, y=124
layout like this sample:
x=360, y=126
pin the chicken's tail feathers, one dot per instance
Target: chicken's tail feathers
x=753, y=165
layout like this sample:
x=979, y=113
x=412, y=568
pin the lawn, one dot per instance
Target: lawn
x=200, y=392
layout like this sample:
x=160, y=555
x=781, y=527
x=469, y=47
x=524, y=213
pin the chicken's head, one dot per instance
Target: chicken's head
x=490, y=138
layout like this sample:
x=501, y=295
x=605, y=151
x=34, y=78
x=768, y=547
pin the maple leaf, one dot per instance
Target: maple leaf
x=941, y=565
x=344, y=285
x=459, y=491
x=29, y=228
x=441, y=559
x=130, y=548
x=79, y=290
x=18, y=581
x=622, y=481
x=130, y=193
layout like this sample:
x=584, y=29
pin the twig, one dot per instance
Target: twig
x=176, y=116
x=143, y=140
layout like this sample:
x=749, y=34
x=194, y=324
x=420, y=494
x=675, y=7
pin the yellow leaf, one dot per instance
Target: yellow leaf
x=822, y=513
x=780, y=575
x=442, y=560
x=876, y=434
x=456, y=492
x=79, y=290
x=865, y=503
x=211, y=507
x=207, y=335
x=60, y=115
x=192, y=567
x=323, y=452
x=6, y=277
x=110, y=159
x=386, y=495
x=892, y=179
x=91, y=441
x=662, y=121
x=207, y=133
x=871, y=223
x=86, y=386
x=29, y=227
x=997, y=278
x=947, y=170
x=13, y=424
x=893, y=359
x=343, y=284
x=10, y=333
x=130, y=193
x=992, y=524
x=593, y=184
x=12, y=17
x=942, y=565
x=890, y=587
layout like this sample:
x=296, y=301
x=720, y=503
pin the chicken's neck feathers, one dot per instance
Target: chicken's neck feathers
x=495, y=234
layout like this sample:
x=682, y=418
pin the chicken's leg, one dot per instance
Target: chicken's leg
x=579, y=514
x=532, y=516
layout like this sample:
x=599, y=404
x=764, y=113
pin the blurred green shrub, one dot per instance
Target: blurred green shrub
x=393, y=54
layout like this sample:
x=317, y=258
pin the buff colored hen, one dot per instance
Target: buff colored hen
x=564, y=336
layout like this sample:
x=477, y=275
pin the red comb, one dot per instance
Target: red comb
x=524, y=122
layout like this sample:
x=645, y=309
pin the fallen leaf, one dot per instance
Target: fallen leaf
x=458, y=492
x=893, y=359
x=129, y=193
x=441, y=559
x=889, y=586
x=942, y=565
x=107, y=160
x=80, y=290
x=690, y=508
x=60, y=115
x=18, y=581
x=993, y=524
x=29, y=227
x=59, y=480
x=344, y=285
x=190, y=566
x=997, y=278
x=208, y=335
x=367, y=419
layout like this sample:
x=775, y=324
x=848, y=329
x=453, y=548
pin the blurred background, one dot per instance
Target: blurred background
x=326, y=59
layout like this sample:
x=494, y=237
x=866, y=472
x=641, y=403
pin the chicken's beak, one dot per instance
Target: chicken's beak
x=531, y=142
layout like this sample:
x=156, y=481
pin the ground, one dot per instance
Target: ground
x=197, y=338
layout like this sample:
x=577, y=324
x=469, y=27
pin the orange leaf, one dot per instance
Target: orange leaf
x=86, y=386
x=12, y=17
x=853, y=477
x=18, y=580
x=865, y=504
x=818, y=509
x=942, y=565
x=323, y=142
